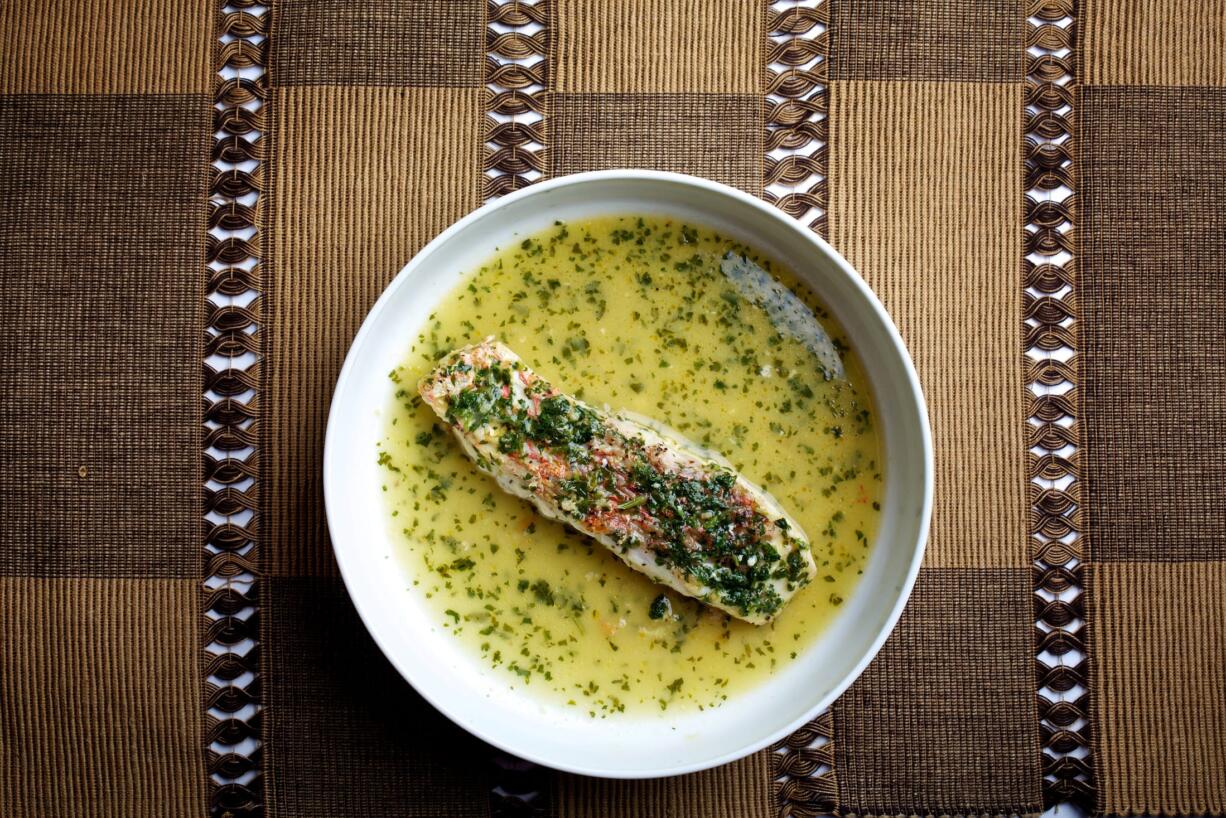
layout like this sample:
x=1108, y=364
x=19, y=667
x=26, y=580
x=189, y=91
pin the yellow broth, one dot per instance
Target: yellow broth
x=637, y=314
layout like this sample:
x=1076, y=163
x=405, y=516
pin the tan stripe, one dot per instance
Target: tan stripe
x=925, y=182
x=101, y=705
x=642, y=46
x=107, y=47
x=363, y=178
x=1152, y=42
x=1158, y=652
x=738, y=790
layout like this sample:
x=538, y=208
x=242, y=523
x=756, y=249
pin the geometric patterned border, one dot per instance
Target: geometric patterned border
x=1051, y=343
x=516, y=78
x=797, y=101
x=231, y=374
x=797, y=49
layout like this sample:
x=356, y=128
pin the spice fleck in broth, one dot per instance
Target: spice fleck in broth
x=678, y=324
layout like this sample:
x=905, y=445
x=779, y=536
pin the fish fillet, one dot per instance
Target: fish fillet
x=683, y=519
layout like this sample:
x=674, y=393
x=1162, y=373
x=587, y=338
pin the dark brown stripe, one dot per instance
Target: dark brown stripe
x=1151, y=290
x=741, y=789
x=1152, y=294
x=718, y=136
x=102, y=250
x=935, y=40
x=942, y=723
x=351, y=738
x=379, y=42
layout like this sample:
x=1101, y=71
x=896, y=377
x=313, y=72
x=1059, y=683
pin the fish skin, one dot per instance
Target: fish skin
x=621, y=518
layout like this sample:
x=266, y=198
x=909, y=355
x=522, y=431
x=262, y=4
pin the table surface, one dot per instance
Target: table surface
x=200, y=201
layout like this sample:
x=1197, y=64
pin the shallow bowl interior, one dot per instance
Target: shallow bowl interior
x=478, y=698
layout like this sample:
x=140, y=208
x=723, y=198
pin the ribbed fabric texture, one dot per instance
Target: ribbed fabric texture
x=105, y=135
x=943, y=721
x=1158, y=642
x=1152, y=296
x=102, y=697
x=376, y=145
x=649, y=46
x=345, y=735
x=107, y=47
x=1152, y=42
x=925, y=184
x=102, y=256
x=934, y=40
x=718, y=136
x=363, y=178
x=388, y=43
x=914, y=168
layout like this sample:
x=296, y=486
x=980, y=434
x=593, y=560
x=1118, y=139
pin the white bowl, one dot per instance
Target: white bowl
x=478, y=698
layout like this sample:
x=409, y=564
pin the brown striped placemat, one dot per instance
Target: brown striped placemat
x=1035, y=189
x=1151, y=290
x=105, y=138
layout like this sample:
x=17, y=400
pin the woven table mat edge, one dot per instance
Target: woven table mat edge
x=232, y=407
x=1055, y=523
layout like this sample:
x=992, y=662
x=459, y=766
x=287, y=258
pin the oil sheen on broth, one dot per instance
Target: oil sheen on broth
x=676, y=323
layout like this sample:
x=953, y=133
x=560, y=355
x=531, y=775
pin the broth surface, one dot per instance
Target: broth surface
x=691, y=329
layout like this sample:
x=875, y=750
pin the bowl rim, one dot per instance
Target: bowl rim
x=456, y=714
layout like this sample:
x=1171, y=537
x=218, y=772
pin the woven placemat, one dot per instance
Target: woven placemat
x=199, y=202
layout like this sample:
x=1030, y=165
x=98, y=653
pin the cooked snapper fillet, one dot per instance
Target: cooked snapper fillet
x=683, y=519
